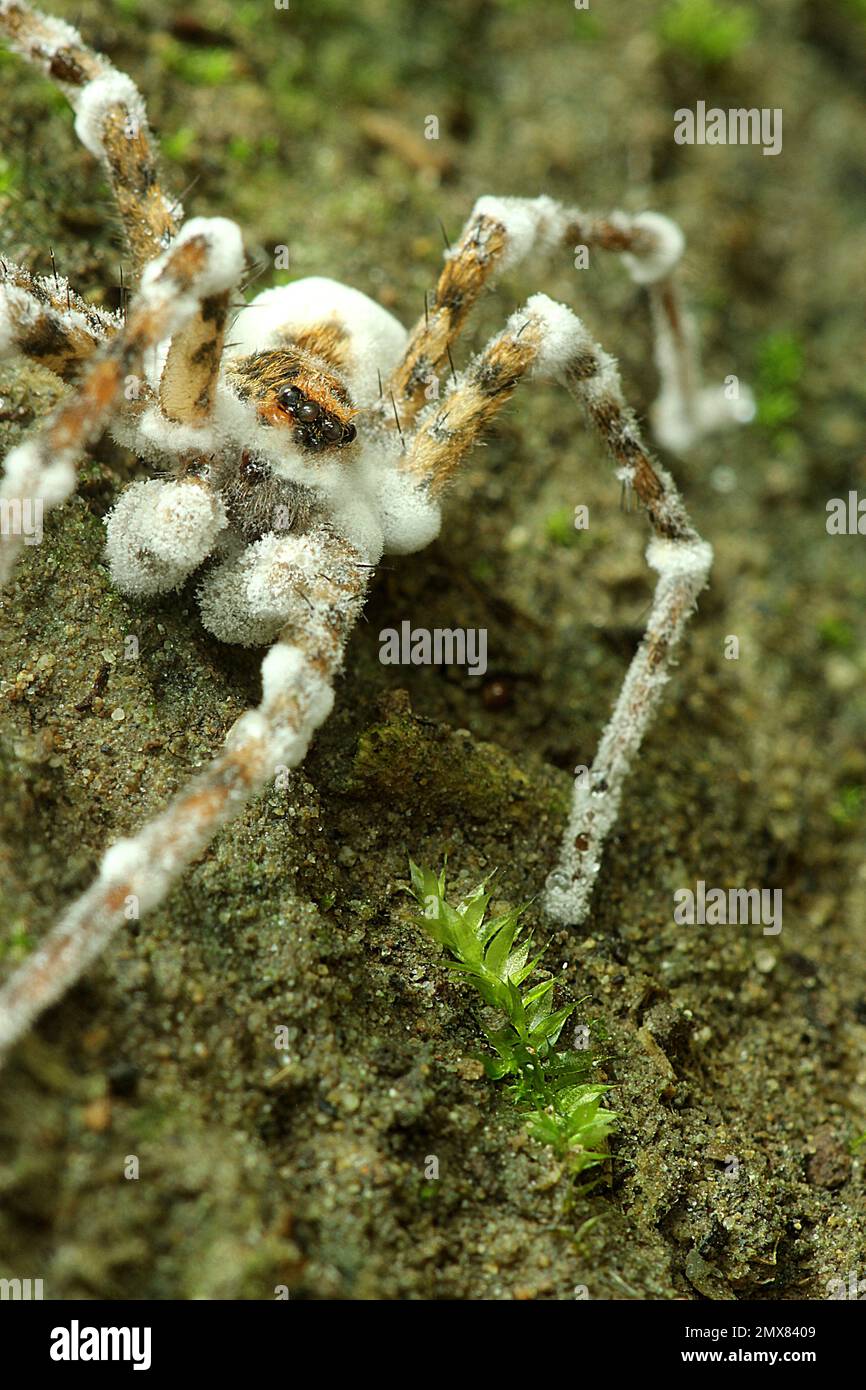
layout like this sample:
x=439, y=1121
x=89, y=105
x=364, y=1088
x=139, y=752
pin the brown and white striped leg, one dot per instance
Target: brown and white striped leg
x=110, y=120
x=547, y=339
x=40, y=473
x=137, y=873
x=42, y=318
x=499, y=234
x=189, y=376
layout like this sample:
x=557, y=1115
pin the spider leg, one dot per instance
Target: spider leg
x=499, y=234
x=189, y=376
x=111, y=122
x=548, y=340
x=42, y=318
x=205, y=258
x=136, y=874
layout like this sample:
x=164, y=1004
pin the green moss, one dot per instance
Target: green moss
x=550, y=1088
x=780, y=368
x=847, y=810
x=705, y=31
x=559, y=527
x=201, y=67
x=428, y=769
x=837, y=633
x=177, y=144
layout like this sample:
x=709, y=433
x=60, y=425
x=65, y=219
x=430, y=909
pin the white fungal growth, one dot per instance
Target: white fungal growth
x=18, y=310
x=304, y=588
x=685, y=411
x=24, y=476
x=159, y=532
x=529, y=223
x=680, y=423
x=157, y=435
x=667, y=244
x=287, y=671
x=410, y=518
x=222, y=268
x=374, y=339
x=250, y=598
x=93, y=102
x=54, y=34
x=683, y=568
x=563, y=336
x=691, y=560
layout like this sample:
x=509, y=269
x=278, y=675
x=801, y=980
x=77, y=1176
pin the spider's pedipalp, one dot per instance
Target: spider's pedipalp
x=40, y=472
x=159, y=532
x=499, y=234
x=270, y=587
x=42, y=318
x=137, y=873
x=111, y=122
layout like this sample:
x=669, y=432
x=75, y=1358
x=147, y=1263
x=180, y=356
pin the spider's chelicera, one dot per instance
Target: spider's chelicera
x=298, y=446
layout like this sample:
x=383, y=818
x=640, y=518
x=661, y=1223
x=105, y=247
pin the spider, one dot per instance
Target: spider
x=297, y=453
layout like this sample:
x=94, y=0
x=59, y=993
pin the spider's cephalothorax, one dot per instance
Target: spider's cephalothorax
x=292, y=444
x=297, y=453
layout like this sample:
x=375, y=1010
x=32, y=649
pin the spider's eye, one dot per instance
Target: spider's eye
x=291, y=398
x=331, y=429
x=308, y=411
x=349, y=433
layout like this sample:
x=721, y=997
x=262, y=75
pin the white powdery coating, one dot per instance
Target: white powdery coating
x=375, y=339
x=410, y=518
x=683, y=568
x=668, y=244
x=159, y=532
x=527, y=222
x=225, y=260
x=248, y=599
x=24, y=476
x=157, y=435
x=693, y=559
x=54, y=34
x=222, y=268
x=236, y=422
x=563, y=335
x=93, y=102
x=18, y=310
x=678, y=425
x=287, y=671
x=358, y=519
x=281, y=670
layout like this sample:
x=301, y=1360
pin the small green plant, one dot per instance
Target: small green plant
x=550, y=1089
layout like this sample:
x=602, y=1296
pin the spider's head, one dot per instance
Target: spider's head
x=295, y=391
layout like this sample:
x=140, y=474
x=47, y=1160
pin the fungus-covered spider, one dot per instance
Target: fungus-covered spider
x=297, y=454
